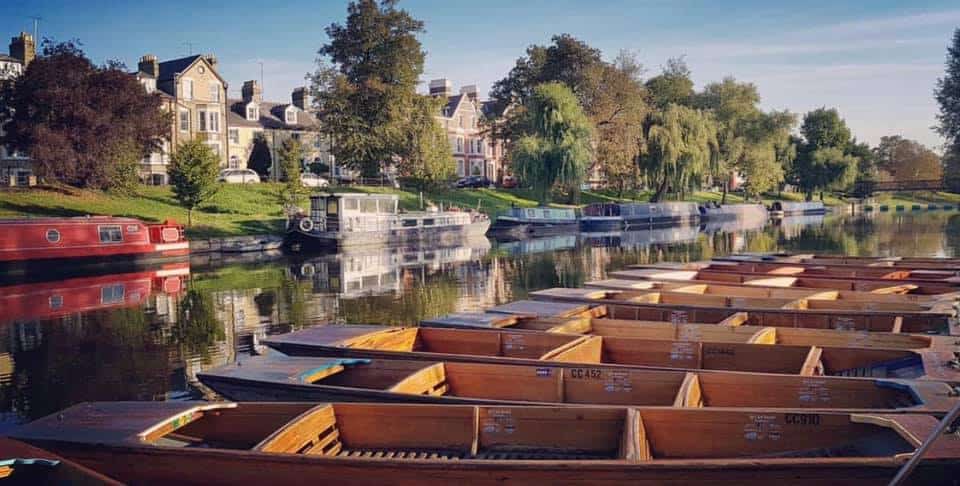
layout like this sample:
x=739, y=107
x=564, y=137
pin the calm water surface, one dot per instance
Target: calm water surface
x=145, y=335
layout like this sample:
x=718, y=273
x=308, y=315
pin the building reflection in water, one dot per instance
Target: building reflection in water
x=145, y=335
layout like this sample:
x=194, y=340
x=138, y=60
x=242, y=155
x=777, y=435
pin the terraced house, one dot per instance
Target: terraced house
x=258, y=128
x=15, y=167
x=196, y=94
x=462, y=116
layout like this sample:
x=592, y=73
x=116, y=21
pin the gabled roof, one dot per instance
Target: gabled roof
x=453, y=104
x=169, y=69
x=271, y=116
x=6, y=58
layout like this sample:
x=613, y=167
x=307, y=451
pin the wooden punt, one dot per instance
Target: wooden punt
x=888, y=275
x=937, y=263
x=813, y=312
x=616, y=321
x=571, y=350
x=735, y=289
x=21, y=463
x=677, y=273
x=276, y=377
x=360, y=443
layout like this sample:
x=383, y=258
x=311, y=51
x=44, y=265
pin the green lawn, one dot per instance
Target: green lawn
x=253, y=209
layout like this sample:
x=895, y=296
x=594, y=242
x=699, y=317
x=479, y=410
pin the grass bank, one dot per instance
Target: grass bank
x=253, y=209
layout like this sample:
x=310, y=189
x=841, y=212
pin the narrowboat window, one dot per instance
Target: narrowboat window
x=56, y=302
x=428, y=222
x=332, y=206
x=386, y=207
x=408, y=223
x=133, y=228
x=111, y=294
x=110, y=234
x=368, y=206
x=53, y=236
x=351, y=205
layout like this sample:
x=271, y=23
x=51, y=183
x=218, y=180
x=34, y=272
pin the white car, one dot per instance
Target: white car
x=239, y=176
x=313, y=180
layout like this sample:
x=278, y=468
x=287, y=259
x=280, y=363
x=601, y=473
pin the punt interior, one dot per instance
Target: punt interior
x=356, y=431
x=584, y=386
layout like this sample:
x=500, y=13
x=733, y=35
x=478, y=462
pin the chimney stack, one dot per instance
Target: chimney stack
x=470, y=91
x=23, y=48
x=441, y=87
x=149, y=65
x=252, y=91
x=211, y=60
x=302, y=99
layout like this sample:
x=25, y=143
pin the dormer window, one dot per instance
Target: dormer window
x=253, y=112
x=290, y=116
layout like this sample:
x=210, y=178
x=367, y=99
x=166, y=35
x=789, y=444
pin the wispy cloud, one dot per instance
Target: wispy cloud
x=885, y=25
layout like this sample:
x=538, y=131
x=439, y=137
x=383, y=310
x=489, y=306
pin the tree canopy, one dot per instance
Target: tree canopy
x=82, y=124
x=193, y=172
x=681, y=146
x=902, y=159
x=947, y=94
x=365, y=84
x=556, y=147
x=427, y=159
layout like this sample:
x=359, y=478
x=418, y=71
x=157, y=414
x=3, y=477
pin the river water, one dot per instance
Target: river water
x=145, y=335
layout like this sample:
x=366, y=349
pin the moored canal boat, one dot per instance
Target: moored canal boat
x=614, y=352
x=276, y=377
x=624, y=216
x=338, y=220
x=27, y=243
x=520, y=222
x=747, y=213
x=359, y=443
x=792, y=208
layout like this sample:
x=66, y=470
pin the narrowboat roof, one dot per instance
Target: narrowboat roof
x=540, y=309
x=331, y=335
x=354, y=195
x=67, y=220
x=114, y=422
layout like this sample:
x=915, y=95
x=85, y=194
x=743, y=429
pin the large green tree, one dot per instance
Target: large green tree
x=556, y=148
x=427, y=159
x=825, y=160
x=610, y=93
x=290, y=158
x=81, y=124
x=947, y=93
x=680, y=149
x=365, y=85
x=193, y=172
x=672, y=86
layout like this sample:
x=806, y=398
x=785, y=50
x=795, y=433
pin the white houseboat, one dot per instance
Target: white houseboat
x=338, y=220
x=791, y=208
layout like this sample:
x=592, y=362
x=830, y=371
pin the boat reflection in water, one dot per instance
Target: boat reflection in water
x=641, y=238
x=374, y=271
x=47, y=300
x=791, y=226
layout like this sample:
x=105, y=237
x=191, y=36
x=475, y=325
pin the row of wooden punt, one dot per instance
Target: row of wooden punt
x=791, y=368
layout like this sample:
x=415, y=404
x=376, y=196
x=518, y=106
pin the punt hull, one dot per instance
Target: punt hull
x=156, y=465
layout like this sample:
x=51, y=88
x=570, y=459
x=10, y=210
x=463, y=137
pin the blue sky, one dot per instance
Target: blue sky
x=876, y=60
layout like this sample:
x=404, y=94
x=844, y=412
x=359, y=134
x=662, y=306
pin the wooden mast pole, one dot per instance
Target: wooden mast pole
x=914, y=461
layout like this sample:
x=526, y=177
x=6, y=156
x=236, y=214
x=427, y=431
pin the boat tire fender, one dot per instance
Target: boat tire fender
x=306, y=225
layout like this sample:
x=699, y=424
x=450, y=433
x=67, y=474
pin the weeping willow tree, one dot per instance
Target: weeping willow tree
x=556, y=146
x=681, y=149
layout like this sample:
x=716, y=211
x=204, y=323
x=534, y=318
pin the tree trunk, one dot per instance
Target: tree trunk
x=189, y=217
x=723, y=197
x=821, y=196
x=658, y=195
x=808, y=195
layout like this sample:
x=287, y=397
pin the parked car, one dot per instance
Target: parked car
x=313, y=180
x=239, y=176
x=508, y=182
x=473, y=182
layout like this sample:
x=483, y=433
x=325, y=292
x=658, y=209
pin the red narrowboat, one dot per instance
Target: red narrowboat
x=48, y=300
x=99, y=238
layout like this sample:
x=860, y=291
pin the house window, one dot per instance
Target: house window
x=184, y=120
x=253, y=113
x=234, y=162
x=291, y=117
x=480, y=147
x=112, y=294
x=214, y=91
x=234, y=135
x=209, y=121
x=187, y=89
x=111, y=234
x=460, y=145
x=461, y=121
x=53, y=236
x=215, y=146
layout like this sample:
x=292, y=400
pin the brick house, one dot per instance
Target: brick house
x=196, y=94
x=251, y=120
x=462, y=116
